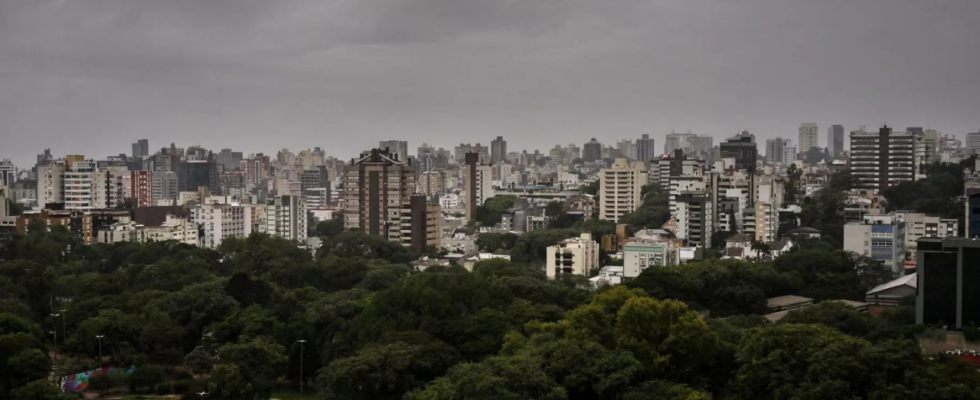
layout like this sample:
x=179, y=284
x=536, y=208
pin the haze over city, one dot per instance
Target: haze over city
x=91, y=77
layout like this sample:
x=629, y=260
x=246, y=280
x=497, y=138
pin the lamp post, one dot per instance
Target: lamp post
x=100, y=349
x=202, y=394
x=301, y=377
x=64, y=325
x=55, y=331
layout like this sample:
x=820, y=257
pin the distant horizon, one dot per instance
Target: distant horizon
x=92, y=77
x=29, y=161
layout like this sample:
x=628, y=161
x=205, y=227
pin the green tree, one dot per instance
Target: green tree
x=386, y=371
x=39, y=390
x=228, y=383
x=101, y=382
x=498, y=378
x=259, y=362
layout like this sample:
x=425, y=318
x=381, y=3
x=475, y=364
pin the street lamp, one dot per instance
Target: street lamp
x=55, y=331
x=100, y=349
x=301, y=378
x=64, y=325
x=202, y=394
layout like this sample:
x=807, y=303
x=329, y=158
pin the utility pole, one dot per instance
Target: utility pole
x=100, y=349
x=301, y=377
x=55, y=331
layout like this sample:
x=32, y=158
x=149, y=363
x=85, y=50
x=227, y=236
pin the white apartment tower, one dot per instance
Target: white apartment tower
x=577, y=256
x=620, y=187
x=809, y=138
x=285, y=217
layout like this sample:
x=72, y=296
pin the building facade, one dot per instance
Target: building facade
x=882, y=159
x=808, y=138
x=620, y=187
x=375, y=188
x=835, y=140
x=578, y=256
x=881, y=237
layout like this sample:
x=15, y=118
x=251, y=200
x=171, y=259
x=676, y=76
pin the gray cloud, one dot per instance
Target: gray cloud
x=92, y=76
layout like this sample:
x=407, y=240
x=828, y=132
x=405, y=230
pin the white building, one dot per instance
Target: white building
x=620, y=187
x=638, y=256
x=789, y=153
x=450, y=201
x=50, y=188
x=81, y=184
x=578, y=256
x=285, y=217
x=222, y=221
x=881, y=237
x=809, y=138
x=918, y=225
x=173, y=228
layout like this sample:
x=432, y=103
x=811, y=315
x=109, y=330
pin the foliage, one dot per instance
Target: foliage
x=653, y=213
x=792, y=186
x=39, y=390
x=493, y=242
x=489, y=213
x=374, y=328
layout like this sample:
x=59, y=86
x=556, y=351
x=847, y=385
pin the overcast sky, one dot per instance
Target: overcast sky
x=92, y=76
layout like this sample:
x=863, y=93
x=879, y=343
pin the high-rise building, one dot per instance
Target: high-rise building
x=947, y=281
x=141, y=188
x=882, y=159
x=774, y=150
x=315, y=187
x=809, y=138
x=50, y=189
x=285, y=217
x=375, y=188
x=742, y=148
x=81, y=186
x=164, y=186
x=619, y=188
x=230, y=160
x=835, y=140
x=221, y=221
x=477, y=183
x=789, y=153
x=463, y=148
x=880, y=237
x=195, y=174
x=973, y=142
x=498, y=150
x=579, y=256
x=694, y=218
x=141, y=148
x=8, y=173
x=421, y=224
x=431, y=183
x=398, y=148
x=646, y=151
x=592, y=151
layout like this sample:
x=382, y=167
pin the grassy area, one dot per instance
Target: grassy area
x=308, y=394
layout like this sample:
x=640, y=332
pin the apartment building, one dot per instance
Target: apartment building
x=882, y=159
x=285, y=217
x=375, y=188
x=477, y=183
x=620, y=187
x=578, y=256
x=881, y=237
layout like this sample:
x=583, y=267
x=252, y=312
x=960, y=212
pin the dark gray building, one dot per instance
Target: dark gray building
x=194, y=174
x=835, y=140
x=948, y=281
x=882, y=159
x=742, y=148
x=592, y=151
x=498, y=150
x=645, y=150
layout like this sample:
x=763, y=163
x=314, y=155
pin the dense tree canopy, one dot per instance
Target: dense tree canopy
x=238, y=322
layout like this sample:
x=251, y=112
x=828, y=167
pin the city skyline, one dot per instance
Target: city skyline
x=93, y=77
